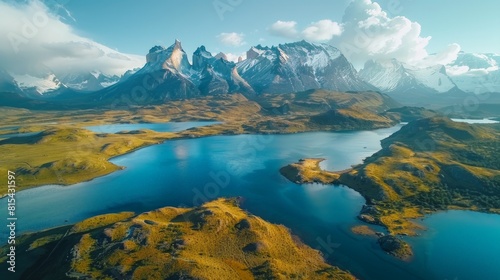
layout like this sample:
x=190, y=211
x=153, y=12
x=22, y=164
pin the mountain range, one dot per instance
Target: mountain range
x=293, y=67
x=476, y=73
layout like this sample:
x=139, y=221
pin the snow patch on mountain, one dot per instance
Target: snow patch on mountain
x=385, y=75
x=394, y=76
x=476, y=73
x=299, y=66
x=41, y=84
x=434, y=77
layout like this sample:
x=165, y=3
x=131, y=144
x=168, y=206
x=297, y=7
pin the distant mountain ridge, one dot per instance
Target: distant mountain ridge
x=395, y=77
x=476, y=72
x=286, y=68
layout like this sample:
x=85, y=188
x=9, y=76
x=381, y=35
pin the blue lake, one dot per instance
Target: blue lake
x=460, y=245
x=478, y=121
x=2, y=136
x=160, y=127
x=190, y=172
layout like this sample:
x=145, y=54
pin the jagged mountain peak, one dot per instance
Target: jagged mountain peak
x=202, y=50
x=299, y=66
x=177, y=44
x=173, y=58
x=284, y=68
x=221, y=55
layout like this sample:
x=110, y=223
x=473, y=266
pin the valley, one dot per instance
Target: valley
x=344, y=149
x=65, y=153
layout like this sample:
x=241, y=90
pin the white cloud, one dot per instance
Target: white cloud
x=322, y=30
x=444, y=57
x=286, y=29
x=36, y=36
x=232, y=39
x=319, y=31
x=455, y=70
x=370, y=33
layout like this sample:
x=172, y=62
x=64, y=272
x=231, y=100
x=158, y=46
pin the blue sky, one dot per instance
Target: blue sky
x=115, y=35
x=134, y=26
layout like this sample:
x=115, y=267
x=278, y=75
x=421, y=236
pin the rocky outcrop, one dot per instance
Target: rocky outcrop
x=395, y=246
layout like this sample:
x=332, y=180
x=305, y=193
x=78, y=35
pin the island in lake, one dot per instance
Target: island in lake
x=429, y=165
x=298, y=160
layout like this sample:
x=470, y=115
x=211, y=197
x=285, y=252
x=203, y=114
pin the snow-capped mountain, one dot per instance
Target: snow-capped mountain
x=80, y=65
x=292, y=67
x=218, y=74
x=39, y=81
x=297, y=67
x=90, y=81
x=394, y=77
x=167, y=74
x=476, y=73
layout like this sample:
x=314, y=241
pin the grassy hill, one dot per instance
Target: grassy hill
x=408, y=114
x=430, y=164
x=217, y=240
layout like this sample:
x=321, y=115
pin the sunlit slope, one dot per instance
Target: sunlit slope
x=215, y=241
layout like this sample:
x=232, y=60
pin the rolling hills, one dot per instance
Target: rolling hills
x=217, y=240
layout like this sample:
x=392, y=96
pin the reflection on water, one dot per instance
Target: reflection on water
x=159, y=127
x=190, y=172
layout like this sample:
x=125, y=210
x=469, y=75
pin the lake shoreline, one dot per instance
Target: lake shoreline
x=185, y=135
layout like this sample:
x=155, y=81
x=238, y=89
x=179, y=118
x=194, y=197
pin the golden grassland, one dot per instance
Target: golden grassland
x=308, y=171
x=66, y=153
x=100, y=221
x=215, y=241
x=429, y=165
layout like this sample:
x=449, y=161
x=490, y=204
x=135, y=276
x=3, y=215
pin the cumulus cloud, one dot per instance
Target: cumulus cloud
x=370, y=33
x=444, y=57
x=322, y=30
x=286, y=29
x=232, y=39
x=319, y=31
x=35, y=35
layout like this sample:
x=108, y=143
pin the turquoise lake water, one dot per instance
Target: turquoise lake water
x=190, y=172
x=460, y=245
x=160, y=127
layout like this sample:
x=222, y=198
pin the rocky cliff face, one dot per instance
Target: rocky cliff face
x=294, y=67
x=297, y=67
